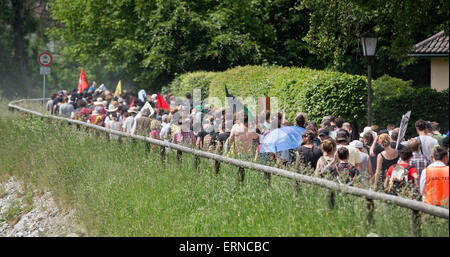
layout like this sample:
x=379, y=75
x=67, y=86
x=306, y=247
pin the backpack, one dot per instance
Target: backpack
x=399, y=178
x=345, y=173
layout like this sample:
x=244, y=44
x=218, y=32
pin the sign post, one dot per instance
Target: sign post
x=45, y=60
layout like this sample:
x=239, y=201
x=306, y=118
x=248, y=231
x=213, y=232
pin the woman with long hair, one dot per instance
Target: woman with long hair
x=384, y=160
x=328, y=158
x=308, y=153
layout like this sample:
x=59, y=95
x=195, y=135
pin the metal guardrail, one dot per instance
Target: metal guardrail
x=415, y=206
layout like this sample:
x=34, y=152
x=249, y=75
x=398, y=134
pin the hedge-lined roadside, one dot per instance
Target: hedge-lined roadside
x=320, y=93
x=292, y=85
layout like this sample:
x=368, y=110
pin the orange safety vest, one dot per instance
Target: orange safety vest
x=436, y=186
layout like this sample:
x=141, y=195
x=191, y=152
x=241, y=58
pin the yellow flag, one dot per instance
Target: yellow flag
x=118, y=89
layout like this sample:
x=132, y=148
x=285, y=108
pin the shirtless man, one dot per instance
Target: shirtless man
x=245, y=142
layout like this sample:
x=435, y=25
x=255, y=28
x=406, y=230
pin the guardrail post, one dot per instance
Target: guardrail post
x=241, y=174
x=196, y=162
x=216, y=166
x=107, y=136
x=162, y=153
x=330, y=199
x=297, y=187
x=370, y=210
x=415, y=224
x=267, y=177
x=404, y=203
x=147, y=147
x=179, y=156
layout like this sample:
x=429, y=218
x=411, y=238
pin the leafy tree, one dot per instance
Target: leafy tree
x=21, y=24
x=151, y=41
x=336, y=25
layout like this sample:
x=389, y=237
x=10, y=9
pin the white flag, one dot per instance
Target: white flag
x=142, y=95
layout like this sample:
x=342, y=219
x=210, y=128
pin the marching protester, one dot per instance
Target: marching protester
x=418, y=160
x=332, y=150
x=408, y=177
x=143, y=123
x=308, y=153
x=366, y=167
x=129, y=120
x=384, y=160
x=434, y=179
x=435, y=132
x=328, y=159
x=344, y=172
x=244, y=141
x=342, y=140
x=426, y=142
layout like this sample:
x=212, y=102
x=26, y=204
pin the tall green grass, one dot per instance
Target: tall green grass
x=122, y=190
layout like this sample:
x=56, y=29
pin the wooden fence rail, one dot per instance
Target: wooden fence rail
x=415, y=206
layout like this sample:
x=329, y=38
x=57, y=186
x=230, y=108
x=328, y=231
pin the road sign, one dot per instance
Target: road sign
x=45, y=59
x=45, y=70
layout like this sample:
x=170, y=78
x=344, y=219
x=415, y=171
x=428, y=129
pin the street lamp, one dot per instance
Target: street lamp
x=369, y=44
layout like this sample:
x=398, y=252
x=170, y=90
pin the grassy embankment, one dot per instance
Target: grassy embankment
x=121, y=190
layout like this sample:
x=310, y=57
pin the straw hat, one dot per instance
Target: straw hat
x=368, y=129
x=132, y=110
x=114, y=106
x=99, y=101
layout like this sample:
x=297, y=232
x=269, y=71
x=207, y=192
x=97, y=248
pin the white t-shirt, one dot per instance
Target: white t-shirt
x=128, y=124
x=364, y=162
x=353, y=154
x=165, y=130
x=427, y=143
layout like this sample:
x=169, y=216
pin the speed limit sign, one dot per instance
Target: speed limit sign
x=45, y=59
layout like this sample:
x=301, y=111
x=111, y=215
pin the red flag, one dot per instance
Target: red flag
x=132, y=102
x=82, y=82
x=162, y=103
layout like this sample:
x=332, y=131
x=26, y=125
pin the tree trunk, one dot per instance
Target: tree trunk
x=20, y=46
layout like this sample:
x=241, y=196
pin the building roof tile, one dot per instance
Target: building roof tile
x=434, y=45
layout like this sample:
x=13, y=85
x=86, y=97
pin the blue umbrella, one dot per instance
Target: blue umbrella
x=280, y=139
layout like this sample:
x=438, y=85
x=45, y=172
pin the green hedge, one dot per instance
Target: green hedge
x=387, y=86
x=424, y=103
x=315, y=92
x=320, y=93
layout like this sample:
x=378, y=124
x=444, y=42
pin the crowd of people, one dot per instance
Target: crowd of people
x=417, y=167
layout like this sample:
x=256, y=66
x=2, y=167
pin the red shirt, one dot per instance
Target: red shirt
x=410, y=172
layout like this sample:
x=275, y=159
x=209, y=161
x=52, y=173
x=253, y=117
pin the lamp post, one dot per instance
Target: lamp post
x=369, y=45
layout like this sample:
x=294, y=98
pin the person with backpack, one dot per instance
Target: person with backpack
x=344, y=171
x=402, y=175
x=95, y=118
